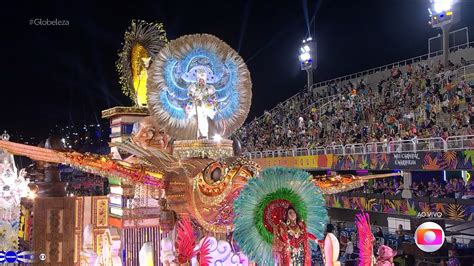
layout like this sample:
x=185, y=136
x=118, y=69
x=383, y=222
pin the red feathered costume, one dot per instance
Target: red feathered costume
x=291, y=244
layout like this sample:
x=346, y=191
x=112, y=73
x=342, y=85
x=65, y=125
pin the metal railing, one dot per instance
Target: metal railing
x=460, y=142
x=464, y=142
x=320, y=105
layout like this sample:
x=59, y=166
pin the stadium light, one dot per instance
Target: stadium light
x=306, y=57
x=443, y=16
x=442, y=5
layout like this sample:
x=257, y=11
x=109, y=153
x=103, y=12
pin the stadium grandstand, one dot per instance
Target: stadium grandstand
x=415, y=116
x=417, y=100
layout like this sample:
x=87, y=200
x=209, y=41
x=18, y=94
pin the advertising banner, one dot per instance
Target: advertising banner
x=424, y=160
x=301, y=162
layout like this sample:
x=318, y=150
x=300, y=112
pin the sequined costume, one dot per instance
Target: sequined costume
x=291, y=245
x=202, y=103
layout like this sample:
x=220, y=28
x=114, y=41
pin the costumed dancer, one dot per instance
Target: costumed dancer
x=276, y=215
x=366, y=240
x=331, y=247
x=366, y=245
x=291, y=241
x=385, y=256
x=202, y=102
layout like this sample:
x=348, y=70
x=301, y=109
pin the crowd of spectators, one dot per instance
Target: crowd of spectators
x=452, y=188
x=348, y=238
x=422, y=101
x=82, y=184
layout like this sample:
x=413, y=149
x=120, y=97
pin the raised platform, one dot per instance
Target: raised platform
x=122, y=110
x=203, y=148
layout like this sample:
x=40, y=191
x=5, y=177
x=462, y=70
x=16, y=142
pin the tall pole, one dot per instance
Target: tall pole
x=310, y=78
x=445, y=30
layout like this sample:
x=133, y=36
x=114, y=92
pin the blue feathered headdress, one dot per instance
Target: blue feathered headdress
x=175, y=68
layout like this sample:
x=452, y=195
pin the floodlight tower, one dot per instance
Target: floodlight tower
x=307, y=58
x=443, y=14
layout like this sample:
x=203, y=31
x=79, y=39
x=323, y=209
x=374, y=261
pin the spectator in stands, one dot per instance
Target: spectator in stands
x=453, y=259
x=454, y=243
x=469, y=190
x=348, y=250
x=400, y=234
x=379, y=232
x=430, y=189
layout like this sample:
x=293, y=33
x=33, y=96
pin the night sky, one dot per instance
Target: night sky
x=66, y=74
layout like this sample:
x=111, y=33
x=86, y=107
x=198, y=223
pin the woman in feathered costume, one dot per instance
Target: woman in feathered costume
x=277, y=214
x=291, y=240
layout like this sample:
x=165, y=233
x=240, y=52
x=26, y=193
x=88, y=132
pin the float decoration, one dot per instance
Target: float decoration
x=261, y=206
x=13, y=186
x=199, y=84
x=204, y=252
x=185, y=240
x=142, y=41
x=220, y=252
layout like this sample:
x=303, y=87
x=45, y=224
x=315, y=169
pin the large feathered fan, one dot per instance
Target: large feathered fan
x=142, y=41
x=176, y=68
x=263, y=202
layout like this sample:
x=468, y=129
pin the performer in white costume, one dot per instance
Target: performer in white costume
x=331, y=248
x=203, y=103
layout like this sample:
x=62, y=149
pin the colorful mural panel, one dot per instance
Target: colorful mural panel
x=410, y=207
x=430, y=161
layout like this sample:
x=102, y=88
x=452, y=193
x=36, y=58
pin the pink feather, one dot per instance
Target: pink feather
x=205, y=252
x=366, y=239
x=186, y=241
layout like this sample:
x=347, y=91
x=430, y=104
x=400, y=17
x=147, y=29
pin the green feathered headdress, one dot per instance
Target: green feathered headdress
x=260, y=205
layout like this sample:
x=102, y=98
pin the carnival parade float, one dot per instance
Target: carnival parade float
x=179, y=194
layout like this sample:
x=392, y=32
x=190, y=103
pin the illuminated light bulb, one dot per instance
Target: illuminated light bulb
x=442, y=5
x=217, y=138
x=305, y=56
x=32, y=195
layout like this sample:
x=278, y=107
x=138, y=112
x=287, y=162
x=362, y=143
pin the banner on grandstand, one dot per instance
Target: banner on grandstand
x=301, y=162
x=431, y=161
x=410, y=207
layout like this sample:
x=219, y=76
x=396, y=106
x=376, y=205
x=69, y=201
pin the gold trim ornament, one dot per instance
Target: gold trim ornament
x=203, y=148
